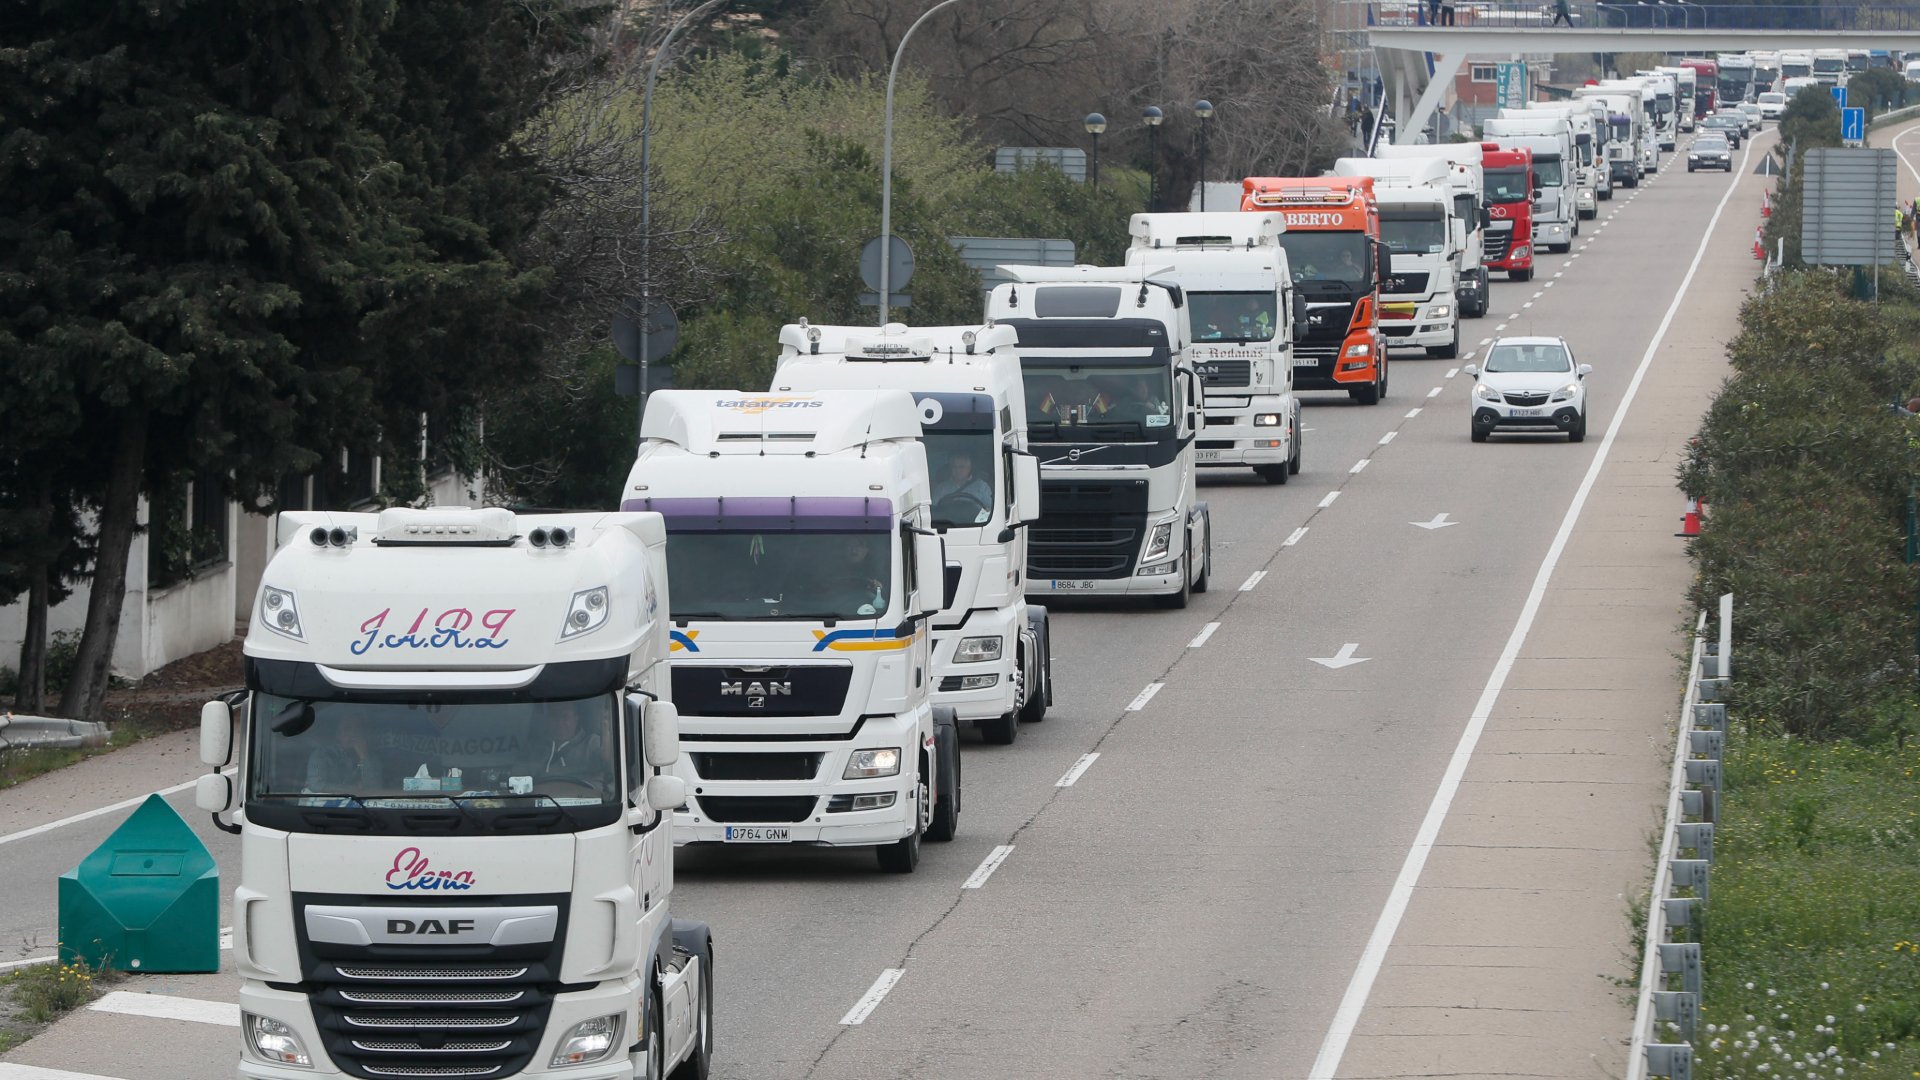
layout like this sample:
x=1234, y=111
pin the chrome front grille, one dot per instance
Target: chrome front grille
x=413, y=974
x=437, y=1023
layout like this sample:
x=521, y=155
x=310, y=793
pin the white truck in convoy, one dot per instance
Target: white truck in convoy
x=1686, y=82
x=1418, y=305
x=1468, y=185
x=800, y=535
x=1239, y=291
x=1634, y=99
x=1113, y=410
x=1591, y=183
x=1555, y=221
x=455, y=831
x=1664, y=106
x=992, y=650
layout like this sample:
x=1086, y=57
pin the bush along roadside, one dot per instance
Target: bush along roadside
x=1806, y=467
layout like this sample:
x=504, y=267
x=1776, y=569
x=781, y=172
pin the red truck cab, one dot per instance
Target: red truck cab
x=1508, y=180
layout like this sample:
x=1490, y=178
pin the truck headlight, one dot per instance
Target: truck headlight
x=1157, y=542
x=1441, y=311
x=867, y=764
x=271, y=1040
x=586, y=614
x=279, y=613
x=1486, y=393
x=587, y=1042
x=977, y=650
x=1522, y=252
x=1266, y=419
x=1362, y=349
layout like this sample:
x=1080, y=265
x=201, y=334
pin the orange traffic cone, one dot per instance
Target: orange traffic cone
x=1690, y=521
x=1766, y=204
x=1759, y=245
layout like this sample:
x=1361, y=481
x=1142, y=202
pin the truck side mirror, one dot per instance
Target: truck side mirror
x=1386, y=262
x=1537, y=193
x=1026, y=488
x=930, y=572
x=660, y=734
x=1299, y=313
x=213, y=792
x=666, y=792
x=216, y=734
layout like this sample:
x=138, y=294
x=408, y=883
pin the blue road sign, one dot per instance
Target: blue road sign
x=1853, y=125
x=1839, y=95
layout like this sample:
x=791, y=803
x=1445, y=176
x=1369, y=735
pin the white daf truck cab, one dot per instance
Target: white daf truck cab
x=992, y=649
x=1113, y=411
x=455, y=827
x=1467, y=182
x=1419, y=305
x=1239, y=290
x=1589, y=167
x=1623, y=141
x=801, y=537
x=1555, y=221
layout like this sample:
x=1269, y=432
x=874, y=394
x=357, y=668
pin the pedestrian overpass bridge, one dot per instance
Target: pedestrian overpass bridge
x=1418, y=60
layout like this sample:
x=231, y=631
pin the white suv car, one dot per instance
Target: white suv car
x=1529, y=384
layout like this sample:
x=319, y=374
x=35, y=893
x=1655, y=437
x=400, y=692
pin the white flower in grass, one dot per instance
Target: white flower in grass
x=1860, y=1008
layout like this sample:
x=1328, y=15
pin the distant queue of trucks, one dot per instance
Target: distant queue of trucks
x=1737, y=78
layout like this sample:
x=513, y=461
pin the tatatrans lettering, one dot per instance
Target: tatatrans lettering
x=753, y=406
x=412, y=871
x=448, y=630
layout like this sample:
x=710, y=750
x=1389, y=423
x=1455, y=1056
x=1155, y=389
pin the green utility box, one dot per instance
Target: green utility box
x=146, y=900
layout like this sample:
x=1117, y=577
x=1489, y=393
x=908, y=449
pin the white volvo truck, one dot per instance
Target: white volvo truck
x=1555, y=221
x=1589, y=166
x=1419, y=302
x=1240, y=292
x=455, y=834
x=1467, y=182
x=992, y=650
x=1113, y=409
x=800, y=536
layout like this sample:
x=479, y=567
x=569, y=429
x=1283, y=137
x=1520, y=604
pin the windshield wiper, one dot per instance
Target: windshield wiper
x=572, y=821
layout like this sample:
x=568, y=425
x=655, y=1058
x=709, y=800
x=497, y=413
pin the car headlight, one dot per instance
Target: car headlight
x=279, y=614
x=1361, y=349
x=1441, y=312
x=588, y=1041
x=1158, y=541
x=271, y=1040
x=867, y=764
x=975, y=650
x=1266, y=419
x=1486, y=393
x=586, y=614
x=1566, y=392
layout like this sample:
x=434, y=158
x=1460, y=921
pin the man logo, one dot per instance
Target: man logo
x=430, y=927
x=756, y=691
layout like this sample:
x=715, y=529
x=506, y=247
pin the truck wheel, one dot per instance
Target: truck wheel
x=1449, y=351
x=945, y=823
x=656, y=1043
x=1039, y=688
x=1520, y=275
x=1206, y=564
x=901, y=856
x=1293, y=463
x=1000, y=730
x=1178, y=601
x=1272, y=474
x=700, y=1060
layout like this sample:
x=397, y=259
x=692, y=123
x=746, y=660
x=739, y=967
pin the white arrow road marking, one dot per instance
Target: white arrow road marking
x=988, y=866
x=873, y=997
x=1079, y=768
x=1140, y=700
x=1439, y=522
x=1343, y=658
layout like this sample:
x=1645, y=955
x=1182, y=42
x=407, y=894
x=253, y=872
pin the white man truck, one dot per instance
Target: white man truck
x=992, y=650
x=1589, y=167
x=1113, y=410
x=1419, y=305
x=799, y=531
x=1468, y=185
x=1550, y=138
x=1632, y=148
x=1240, y=293
x=455, y=834
x=1663, y=107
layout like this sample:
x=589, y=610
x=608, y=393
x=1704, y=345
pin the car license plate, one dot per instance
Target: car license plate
x=759, y=834
x=1529, y=412
x=1072, y=586
x=1206, y=455
x=1305, y=361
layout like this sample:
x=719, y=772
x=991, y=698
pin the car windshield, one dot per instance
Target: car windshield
x=1070, y=402
x=796, y=568
x=1710, y=142
x=1773, y=99
x=1542, y=357
x=1334, y=256
x=1507, y=185
x=1232, y=316
x=1416, y=236
x=428, y=755
x=960, y=464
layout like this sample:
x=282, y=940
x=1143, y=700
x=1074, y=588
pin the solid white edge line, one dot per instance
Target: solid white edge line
x=100, y=811
x=1358, y=466
x=1411, y=413
x=1252, y=580
x=1435, y=392
x=1140, y=700
x=1347, y=1017
x=1328, y=500
x=35, y=961
x=1388, y=437
x=1296, y=535
x=987, y=866
x=1200, y=638
x=12, y=1071
x=1079, y=769
x=169, y=1007
x=871, y=1000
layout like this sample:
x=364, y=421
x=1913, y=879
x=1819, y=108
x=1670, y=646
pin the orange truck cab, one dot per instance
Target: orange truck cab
x=1333, y=247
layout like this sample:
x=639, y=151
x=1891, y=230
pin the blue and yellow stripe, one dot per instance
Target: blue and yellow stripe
x=899, y=637
x=683, y=641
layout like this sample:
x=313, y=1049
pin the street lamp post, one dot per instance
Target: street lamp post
x=646, y=189
x=1203, y=110
x=886, y=166
x=1152, y=117
x=1095, y=125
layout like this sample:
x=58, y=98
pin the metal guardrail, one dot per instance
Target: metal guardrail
x=49, y=732
x=1659, y=15
x=1669, y=1001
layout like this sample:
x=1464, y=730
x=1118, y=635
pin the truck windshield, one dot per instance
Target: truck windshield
x=1794, y=70
x=1413, y=235
x=1082, y=400
x=808, y=571
x=960, y=464
x=1508, y=186
x=1334, y=256
x=1547, y=171
x=431, y=756
x=1232, y=316
x=1828, y=66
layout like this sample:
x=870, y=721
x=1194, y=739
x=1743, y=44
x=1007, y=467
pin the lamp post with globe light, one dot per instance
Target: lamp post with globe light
x=1152, y=116
x=1203, y=110
x=1095, y=124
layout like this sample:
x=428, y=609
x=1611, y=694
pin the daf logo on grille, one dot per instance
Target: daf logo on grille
x=424, y=927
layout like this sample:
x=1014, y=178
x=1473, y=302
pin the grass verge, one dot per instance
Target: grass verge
x=19, y=766
x=32, y=998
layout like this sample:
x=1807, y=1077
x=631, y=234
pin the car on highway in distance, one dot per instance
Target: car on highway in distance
x=1709, y=152
x=1728, y=126
x=1753, y=113
x=1746, y=125
x=1529, y=384
x=1772, y=104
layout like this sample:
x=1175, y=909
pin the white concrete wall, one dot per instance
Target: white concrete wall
x=129, y=648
